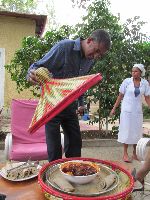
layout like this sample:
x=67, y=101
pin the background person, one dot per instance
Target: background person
x=67, y=59
x=131, y=117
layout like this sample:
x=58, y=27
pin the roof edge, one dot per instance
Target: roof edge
x=39, y=19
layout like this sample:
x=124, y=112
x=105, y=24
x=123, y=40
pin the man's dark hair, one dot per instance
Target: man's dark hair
x=101, y=36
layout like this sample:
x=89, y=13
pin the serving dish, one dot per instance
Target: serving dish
x=79, y=172
x=20, y=166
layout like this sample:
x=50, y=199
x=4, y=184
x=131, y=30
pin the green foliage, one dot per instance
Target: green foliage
x=146, y=112
x=23, y=6
x=33, y=48
x=143, y=55
x=118, y=63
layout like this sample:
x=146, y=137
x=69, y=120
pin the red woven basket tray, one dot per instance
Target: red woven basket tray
x=51, y=192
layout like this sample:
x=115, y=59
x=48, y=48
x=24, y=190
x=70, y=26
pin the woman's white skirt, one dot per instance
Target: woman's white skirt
x=130, y=128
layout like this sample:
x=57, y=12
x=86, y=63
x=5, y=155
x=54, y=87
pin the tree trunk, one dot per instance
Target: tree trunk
x=106, y=125
x=99, y=115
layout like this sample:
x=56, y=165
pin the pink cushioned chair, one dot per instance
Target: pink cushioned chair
x=20, y=145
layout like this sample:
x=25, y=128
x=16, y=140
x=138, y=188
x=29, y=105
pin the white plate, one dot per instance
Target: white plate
x=3, y=173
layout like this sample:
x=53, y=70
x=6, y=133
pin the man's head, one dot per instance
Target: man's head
x=97, y=44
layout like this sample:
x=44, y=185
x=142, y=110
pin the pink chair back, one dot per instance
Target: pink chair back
x=22, y=112
x=25, y=145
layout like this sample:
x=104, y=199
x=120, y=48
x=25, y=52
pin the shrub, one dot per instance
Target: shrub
x=146, y=112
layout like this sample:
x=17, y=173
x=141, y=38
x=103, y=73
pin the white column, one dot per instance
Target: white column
x=2, y=76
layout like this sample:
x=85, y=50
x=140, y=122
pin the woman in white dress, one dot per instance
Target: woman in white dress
x=131, y=117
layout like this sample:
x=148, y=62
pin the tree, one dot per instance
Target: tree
x=22, y=6
x=99, y=16
x=51, y=17
x=80, y=3
x=117, y=64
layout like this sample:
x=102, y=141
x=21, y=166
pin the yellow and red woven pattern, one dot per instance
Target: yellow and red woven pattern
x=57, y=94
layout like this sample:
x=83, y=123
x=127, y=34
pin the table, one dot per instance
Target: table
x=30, y=189
x=25, y=190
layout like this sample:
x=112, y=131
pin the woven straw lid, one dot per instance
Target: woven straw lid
x=57, y=94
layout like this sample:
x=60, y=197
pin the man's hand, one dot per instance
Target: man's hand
x=32, y=77
x=80, y=110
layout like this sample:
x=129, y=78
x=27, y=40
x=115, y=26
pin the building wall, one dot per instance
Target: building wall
x=12, y=31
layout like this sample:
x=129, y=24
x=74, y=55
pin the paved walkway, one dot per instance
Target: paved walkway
x=84, y=125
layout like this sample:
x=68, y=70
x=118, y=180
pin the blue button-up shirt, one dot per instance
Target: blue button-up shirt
x=65, y=60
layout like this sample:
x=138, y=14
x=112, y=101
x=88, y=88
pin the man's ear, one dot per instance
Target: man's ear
x=89, y=39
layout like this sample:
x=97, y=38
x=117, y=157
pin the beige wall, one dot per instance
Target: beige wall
x=12, y=31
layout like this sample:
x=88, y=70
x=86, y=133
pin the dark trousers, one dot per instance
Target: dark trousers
x=69, y=122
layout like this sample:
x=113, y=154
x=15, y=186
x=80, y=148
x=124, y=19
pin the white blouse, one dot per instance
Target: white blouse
x=130, y=102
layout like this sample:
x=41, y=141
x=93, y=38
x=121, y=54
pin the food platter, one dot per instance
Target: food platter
x=93, y=188
x=3, y=171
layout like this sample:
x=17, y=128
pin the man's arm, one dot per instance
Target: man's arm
x=53, y=60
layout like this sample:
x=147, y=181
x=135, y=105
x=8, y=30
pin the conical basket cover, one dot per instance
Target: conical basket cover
x=57, y=94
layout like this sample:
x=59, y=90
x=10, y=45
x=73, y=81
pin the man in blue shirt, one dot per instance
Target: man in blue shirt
x=67, y=59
